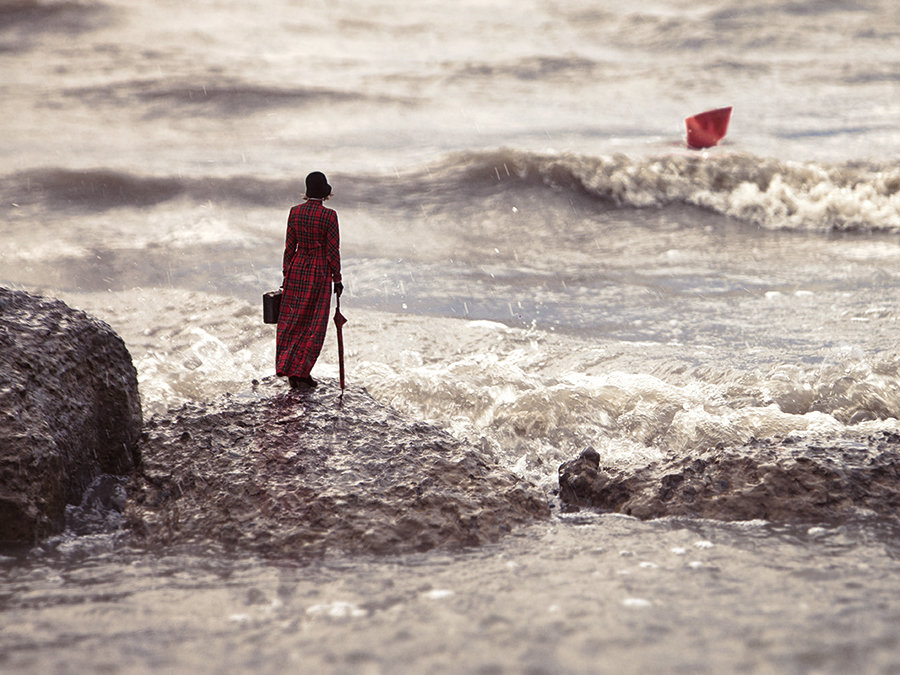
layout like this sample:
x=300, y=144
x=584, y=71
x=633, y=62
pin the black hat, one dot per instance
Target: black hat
x=317, y=186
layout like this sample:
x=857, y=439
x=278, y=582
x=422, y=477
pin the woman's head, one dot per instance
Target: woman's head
x=317, y=186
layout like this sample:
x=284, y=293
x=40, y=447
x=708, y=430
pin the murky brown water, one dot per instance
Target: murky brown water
x=585, y=594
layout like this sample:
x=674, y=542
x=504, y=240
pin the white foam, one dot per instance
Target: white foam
x=337, y=610
x=438, y=594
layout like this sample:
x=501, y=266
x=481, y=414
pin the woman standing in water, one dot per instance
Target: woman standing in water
x=312, y=261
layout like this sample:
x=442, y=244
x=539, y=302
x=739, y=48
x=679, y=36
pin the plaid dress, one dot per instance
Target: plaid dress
x=312, y=260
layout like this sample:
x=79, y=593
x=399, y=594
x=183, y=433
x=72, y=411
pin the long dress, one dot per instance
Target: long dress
x=312, y=261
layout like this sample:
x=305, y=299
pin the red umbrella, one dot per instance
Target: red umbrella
x=706, y=129
x=339, y=321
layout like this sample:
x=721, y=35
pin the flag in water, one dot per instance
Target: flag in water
x=706, y=129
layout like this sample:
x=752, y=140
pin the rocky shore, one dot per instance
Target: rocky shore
x=69, y=411
x=268, y=470
x=787, y=481
x=305, y=473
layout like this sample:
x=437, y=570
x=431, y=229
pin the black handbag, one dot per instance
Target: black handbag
x=271, y=306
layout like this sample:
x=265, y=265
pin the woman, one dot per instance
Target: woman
x=312, y=261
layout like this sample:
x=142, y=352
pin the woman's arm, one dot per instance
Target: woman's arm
x=333, y=247
x=290, y=244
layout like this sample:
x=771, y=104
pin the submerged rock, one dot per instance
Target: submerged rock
x=69, y=411
x=781, y=481
x=302, y=473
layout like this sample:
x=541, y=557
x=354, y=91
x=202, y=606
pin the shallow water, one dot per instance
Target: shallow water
x=582, y=594
x=533, y=262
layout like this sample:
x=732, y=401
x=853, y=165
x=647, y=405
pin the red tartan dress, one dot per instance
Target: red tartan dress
x=312, y=261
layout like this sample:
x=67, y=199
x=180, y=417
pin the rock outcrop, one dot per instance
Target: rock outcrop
x=301, y=474
x=69, y=411
x=787, y=481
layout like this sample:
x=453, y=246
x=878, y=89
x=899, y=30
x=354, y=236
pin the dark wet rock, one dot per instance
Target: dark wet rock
x=102, y=508
x=69, y=411
x=785, y=481
x=299, y=474
x=582, y=482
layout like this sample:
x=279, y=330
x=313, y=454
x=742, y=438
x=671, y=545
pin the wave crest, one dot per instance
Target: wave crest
x=770, y=193
x=767, y=192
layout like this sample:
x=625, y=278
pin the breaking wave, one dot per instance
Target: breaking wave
x=766, y=192
x=514, y=404
x=769, y=193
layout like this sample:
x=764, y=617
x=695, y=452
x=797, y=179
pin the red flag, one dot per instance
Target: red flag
x=706, y=129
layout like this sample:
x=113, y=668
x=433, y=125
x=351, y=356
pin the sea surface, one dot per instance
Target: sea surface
x=533, y=261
